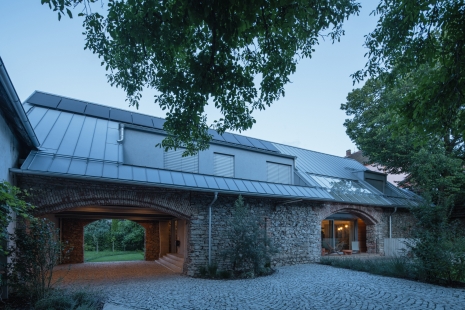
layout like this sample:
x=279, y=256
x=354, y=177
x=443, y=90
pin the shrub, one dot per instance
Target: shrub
x=249, y=250
x=69, y=300
x=438, y=246
x=34, y=254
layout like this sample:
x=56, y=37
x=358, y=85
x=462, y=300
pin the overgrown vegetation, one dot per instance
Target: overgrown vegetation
x=61, y=299
x=248, y=250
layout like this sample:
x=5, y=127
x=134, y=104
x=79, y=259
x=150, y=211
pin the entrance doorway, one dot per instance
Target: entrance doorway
x=343, y=231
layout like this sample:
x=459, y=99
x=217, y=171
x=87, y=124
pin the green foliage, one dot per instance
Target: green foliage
x=33, y=255
x=438, y=246
x=236, y=55
x=11, y=201
x=69, y=300
x=114, y=235
x=249, y=250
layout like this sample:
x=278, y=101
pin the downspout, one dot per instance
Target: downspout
x=13, y=96
x=210, y=229
x=121, y=133
x=120, y=141
x=390, y=222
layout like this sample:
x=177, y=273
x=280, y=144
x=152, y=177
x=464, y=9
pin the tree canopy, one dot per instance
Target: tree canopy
x=236, y=55
x=409, y=116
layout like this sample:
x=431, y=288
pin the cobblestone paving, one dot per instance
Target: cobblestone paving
x=310, y=286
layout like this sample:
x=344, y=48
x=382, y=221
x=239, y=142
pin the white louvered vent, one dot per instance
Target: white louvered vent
x=279, y=173
x=175, y=161
x=224, y=165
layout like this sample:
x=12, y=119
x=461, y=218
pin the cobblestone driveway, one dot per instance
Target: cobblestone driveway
x=293, y=287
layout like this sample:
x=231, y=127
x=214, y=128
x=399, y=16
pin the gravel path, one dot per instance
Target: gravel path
x=313, y=286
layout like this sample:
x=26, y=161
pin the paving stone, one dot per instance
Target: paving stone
x=148, y=285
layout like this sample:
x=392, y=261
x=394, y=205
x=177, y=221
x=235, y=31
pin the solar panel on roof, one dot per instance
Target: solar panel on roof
x=269, y=146
x=216, y=136
x=45, y=100
x=158, y=122
x=121, y=116
x=142, y=120
x=256, y=143
x=71, y=105
x=243, y=140
x=97, y=110
x=229, y=138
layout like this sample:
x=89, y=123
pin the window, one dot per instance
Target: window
x=223, y=165
x=279, y=173
x=175, y=161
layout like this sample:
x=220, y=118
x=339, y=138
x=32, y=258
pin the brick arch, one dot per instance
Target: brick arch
x=51, y=195
x=370, y=215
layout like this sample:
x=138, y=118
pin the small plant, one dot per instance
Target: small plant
x=212, y=269
x=224, y=274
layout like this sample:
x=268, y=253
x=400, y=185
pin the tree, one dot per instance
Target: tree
x=423, y=40
x=433, y=162
x=237, y=55
x=99, y=232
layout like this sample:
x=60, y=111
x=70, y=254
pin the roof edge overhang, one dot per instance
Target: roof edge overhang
x=25, y=129
x=161, y=185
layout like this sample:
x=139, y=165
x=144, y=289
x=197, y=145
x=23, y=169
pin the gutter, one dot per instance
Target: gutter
x=17, y=106
x=210, y=229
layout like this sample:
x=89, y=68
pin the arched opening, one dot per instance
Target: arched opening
x=347, y=232
x=164, y=235
x=109, y=240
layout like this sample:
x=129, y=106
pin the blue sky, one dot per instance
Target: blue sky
x=42, y=53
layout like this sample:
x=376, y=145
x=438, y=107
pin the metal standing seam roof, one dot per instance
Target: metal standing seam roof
x=75, y=167
x=59, y=103
x=79, y=139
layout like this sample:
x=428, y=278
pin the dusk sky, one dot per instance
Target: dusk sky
x=42, y=53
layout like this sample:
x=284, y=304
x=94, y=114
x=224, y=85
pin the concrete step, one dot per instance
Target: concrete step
x=173, y=262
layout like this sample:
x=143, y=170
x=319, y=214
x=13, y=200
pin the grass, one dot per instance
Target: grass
x=109, y=256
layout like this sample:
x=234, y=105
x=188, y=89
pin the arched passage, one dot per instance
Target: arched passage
x=350, y=228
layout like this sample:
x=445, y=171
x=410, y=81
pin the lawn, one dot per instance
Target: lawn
x=109, y=256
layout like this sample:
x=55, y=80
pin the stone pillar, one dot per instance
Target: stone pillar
x=72, y=234
x=152, y=239
x=164, y=238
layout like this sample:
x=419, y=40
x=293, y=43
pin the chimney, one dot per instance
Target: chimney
x=348, y=153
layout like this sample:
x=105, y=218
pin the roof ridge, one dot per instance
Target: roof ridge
x=300, y=148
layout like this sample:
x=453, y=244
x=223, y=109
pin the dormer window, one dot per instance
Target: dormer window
x=223, y=165
x=279, y=173
x=174, y=161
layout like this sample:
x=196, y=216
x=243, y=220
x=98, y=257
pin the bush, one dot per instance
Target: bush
x=438, y=246
x=249, y=250
x=69, y=300
x=34, y=254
